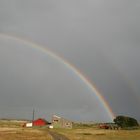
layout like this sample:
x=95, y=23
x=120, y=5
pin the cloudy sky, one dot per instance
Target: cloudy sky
x=101, y=38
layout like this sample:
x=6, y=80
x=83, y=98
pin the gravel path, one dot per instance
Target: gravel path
x=57, y=136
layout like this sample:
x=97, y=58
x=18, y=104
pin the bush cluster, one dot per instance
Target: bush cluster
x=124, y=121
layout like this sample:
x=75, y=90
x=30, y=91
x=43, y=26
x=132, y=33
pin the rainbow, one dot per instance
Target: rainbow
x=67, y=64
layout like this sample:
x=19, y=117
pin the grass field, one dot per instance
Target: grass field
x=13, y=130
x=94, y=133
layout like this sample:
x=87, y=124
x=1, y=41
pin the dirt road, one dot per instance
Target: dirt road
x=57, y=136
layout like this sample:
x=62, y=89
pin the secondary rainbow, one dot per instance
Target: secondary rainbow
x=67, y=64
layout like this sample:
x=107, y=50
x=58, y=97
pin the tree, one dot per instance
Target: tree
x=124, y=121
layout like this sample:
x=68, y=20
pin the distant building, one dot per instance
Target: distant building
x=59, y=122
x=28, y=124
x=40, y=122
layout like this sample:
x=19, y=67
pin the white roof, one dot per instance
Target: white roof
x=56, y=116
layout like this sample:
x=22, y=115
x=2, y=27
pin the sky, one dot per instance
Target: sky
x=101, y=38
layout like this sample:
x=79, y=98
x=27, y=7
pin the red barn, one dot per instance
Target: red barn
x=40, y=122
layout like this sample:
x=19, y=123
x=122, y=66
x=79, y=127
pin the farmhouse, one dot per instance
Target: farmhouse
x=59, y=122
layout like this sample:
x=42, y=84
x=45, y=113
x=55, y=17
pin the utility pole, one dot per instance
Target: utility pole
x=33, y=115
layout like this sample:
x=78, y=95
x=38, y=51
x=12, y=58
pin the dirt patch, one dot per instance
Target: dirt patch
x=100, y=134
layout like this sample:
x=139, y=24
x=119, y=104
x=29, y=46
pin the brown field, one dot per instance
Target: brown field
x=13, y=130
x=94, y=133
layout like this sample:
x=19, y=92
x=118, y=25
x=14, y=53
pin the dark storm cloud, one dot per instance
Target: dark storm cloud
x=100, y=37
